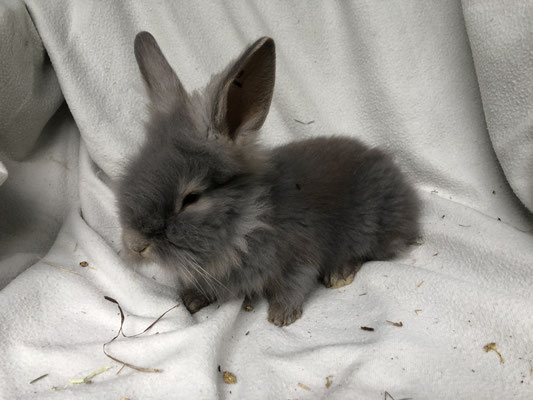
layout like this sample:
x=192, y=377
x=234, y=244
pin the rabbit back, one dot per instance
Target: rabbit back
x=337, y=201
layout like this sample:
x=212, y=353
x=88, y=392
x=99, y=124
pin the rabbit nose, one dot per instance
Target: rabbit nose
x=136, y=243
x=141, y=248
x=144, y=251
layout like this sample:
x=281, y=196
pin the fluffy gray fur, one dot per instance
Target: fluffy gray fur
x=237, y=219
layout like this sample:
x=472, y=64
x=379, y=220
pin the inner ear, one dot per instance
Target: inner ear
x=249, y=88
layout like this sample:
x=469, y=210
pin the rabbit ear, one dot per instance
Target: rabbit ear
x=164, y=87
x=244, y=94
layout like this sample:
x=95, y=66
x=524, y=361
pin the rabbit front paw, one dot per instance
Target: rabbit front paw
x=283, y=315
x=194, y=301
x=336, y=278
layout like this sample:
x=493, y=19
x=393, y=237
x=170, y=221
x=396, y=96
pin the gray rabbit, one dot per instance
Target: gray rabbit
x=237, y=219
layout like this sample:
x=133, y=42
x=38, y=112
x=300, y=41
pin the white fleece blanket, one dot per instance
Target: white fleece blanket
x=398, y=74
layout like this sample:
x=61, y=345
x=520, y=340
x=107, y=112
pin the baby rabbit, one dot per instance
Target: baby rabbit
x=238, y=219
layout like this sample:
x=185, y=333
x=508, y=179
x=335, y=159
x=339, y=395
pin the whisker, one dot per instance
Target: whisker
x=195, y=282
x=204, y=277
x=191, y=276
x=215, y=280
x=208, y=277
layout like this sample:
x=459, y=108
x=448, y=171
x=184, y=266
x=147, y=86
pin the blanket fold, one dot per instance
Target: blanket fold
x=501, y=38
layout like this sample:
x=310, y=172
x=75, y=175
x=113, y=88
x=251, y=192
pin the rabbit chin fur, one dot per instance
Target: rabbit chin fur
x=236, y=219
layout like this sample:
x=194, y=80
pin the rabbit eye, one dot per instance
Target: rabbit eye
x=190, y=199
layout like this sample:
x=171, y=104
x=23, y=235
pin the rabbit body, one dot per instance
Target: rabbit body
x=237, y=219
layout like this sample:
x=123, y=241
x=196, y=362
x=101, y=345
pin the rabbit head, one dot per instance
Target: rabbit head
x=191, y=194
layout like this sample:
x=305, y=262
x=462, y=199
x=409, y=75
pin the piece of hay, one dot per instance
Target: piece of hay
x=304, y=386
x=90, y=376
x=58, y=266
x=436, y=254
x=39, y=378
x=329, y=381
x=140, y=369
x=417, y=311
x=366, y=328
x=398, y=324
x=492, y=347
x=420, y=284
x=121, y=332
x=149, y=326
x=229, y=378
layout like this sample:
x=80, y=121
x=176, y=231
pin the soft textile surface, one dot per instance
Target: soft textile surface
x=37, y=152
x=29, y=91
x=396, y=74
x=502, y=49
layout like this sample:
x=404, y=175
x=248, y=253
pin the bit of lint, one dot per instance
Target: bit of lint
x=417, y=311
x=248, y=308
x=398, y=324
x=492, y=347
x=39, y=378
x=388, y=396
x=304, y=123
x=229, y=378
x=85, y=264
